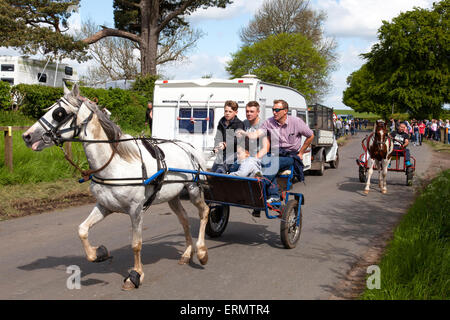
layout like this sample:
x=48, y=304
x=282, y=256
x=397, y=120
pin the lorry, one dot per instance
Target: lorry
x=189, y=110
x=324, y=146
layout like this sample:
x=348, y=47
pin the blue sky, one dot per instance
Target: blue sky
x=352, y=23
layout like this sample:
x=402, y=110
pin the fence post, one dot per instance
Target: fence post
x=9, y=148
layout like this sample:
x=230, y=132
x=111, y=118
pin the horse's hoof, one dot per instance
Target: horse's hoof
x=383, y=191
x=128, y=286
x=184, y=260
x=203, y=260
x=102, y=254
x=132, y=282
x=366, y=191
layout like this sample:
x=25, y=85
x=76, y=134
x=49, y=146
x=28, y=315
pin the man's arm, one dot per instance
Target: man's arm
x=305, y=146
x=264, y=149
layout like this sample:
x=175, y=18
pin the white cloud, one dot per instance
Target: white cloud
x=238, y=7
x=197, y=66
x=362, y=18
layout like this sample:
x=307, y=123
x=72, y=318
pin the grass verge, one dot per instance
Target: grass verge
x=416, y=264
x=33, y=198
x=438, y=146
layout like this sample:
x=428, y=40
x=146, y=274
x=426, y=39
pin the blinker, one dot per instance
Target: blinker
x=59, y=114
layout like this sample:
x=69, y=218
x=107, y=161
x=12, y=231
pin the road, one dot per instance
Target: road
x=248, y=262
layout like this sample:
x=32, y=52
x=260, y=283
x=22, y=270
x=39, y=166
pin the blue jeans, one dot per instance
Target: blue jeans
x=270, y=167
x=224, y=168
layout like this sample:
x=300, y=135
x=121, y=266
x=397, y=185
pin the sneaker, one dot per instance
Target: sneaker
x=256, y=213
x=273, y=199
x=408, y=164
x=389, y=165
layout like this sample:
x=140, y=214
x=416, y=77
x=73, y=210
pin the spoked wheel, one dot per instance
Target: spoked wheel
x=409, y=176
x=217, y=220
x=362, y=174
x=289, y=231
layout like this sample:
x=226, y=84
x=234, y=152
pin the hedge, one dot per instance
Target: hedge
x=127, y=107
x=5, y=96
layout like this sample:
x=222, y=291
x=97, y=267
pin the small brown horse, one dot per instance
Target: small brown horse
x=379, y=148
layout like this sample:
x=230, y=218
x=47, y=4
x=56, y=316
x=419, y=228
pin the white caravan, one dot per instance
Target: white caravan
x=189, y=110
x=17, y=70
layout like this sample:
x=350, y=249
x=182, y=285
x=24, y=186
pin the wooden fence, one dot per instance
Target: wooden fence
x=8, y=130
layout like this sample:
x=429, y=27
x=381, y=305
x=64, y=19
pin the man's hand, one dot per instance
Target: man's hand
x=240, y=133
x=220, y=146
x=300, y=155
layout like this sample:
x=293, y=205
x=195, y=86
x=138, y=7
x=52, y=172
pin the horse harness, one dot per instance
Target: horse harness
x=54, y=133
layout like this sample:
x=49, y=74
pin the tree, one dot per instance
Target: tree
x=409, y=64
x=40, y=26
x=143, y=22
x=364, y=95
x=285, y=59
x=291, y=16
x=119, y=58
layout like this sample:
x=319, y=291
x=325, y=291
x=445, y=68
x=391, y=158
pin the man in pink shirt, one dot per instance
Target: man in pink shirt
x=285, y=148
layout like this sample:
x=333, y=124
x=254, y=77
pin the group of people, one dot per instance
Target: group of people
x=418, y=130
x=256, y=148
x=349, y=126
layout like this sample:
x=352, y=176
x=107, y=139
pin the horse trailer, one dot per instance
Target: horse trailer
x=190, y=110
x=16, y=70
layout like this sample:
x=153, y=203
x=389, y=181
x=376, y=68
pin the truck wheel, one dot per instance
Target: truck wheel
x=289, y=231
x=335, y=163
x=217, y=220
x=321, y=171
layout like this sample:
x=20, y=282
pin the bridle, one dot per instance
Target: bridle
x=54, y=133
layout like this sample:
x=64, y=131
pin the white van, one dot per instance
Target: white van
x=189, y=110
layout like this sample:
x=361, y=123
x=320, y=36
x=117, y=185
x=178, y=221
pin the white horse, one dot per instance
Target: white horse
x=379, y=149
x=118, y=167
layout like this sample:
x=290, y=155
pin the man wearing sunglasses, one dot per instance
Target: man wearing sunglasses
x=285, y=147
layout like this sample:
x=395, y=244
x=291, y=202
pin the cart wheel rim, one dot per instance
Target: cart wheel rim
x=218, y=218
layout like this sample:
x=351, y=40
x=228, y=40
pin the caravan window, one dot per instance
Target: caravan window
x=42, y=77
x=68, y=71
x=8, y=67
x=200, y=121
x=9, y=80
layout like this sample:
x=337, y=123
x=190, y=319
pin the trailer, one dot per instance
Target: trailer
x=16, y=70
x=190, y=110
x=324, y=146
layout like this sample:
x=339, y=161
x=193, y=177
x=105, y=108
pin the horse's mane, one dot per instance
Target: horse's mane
x=126, y=149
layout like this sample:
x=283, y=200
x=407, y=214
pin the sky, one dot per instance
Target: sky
x=352, y=23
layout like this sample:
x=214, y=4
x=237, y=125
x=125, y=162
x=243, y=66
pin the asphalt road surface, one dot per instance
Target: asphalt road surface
x=248, y=262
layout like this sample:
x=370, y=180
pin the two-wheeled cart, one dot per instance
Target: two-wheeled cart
x=224, y=191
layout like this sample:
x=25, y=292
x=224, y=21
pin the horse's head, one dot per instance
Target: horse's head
x=59, y=122
x=381, y=133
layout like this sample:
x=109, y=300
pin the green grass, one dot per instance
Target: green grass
x=416, y=264
x=438, y=146
x=35, y=167
x=362, y=115
x=44, y=166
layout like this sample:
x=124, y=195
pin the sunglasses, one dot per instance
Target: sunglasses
x=278, y=109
